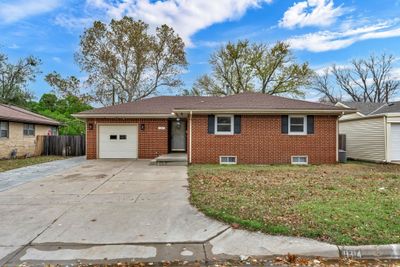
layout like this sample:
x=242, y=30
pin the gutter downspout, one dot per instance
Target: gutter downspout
x=337, y=137
x=386, y=132
x=190, y=136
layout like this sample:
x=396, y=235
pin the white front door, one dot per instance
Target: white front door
x=395, y=142
x=118, y=141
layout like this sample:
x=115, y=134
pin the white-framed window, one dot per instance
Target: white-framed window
x=297, y=125
x=299, y=160
x=54, y=130
x=227, y=159
x=29, y=129
x=224, y=124
x=4, y=132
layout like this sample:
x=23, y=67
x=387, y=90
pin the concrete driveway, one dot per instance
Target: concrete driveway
x=121, y=209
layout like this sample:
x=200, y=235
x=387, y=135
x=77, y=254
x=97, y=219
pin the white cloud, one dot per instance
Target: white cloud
x=311, y=13
x=56, y=59
x=322, y=69
x=186, y=16
x=210, y=44
x=396, y=74
x=13, y=46
x=333, y=40
x=72, y=22
x=17, y=10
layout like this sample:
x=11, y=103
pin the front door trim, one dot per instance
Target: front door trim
x=170, y=150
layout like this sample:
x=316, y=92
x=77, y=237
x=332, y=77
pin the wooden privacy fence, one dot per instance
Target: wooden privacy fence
x=63, y=145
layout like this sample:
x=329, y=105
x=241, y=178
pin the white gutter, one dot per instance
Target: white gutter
x=387, y=115
x=386, y=132
x=337, y=139
x=190, y=136
x=88, y=116
x=264, y=111
x=219, y=111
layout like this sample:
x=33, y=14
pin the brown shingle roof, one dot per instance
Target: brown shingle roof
x=13, y=113
x=244, y=101
x=153, y=105
x=256, y=101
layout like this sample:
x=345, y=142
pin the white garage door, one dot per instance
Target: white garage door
x=395, y=146
x=118, y=141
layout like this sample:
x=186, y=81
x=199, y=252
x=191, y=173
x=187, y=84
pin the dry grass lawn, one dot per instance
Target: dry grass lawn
x=6, y=165
x=354, y=203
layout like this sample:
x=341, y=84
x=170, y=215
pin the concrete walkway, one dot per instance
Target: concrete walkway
x=124, y=210
x=23, y=175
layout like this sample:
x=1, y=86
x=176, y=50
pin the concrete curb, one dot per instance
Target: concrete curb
x=391, y=251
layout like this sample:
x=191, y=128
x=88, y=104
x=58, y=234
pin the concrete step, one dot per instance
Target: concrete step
x=173, y=159
x=171, y=163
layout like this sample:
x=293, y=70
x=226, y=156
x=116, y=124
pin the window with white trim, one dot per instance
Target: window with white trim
x=224, y=124
x=299, y=160
x=4, y=129
x=298, y=125
x=53, y=130
x=227, y=160
x=29, y=129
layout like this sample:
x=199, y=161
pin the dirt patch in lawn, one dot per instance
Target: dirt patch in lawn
x=354, y=203
x=6, y=165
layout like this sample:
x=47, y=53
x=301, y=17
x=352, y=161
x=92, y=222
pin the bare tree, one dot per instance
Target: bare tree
x=366, y=80
x=126, y=63
x=322, y=84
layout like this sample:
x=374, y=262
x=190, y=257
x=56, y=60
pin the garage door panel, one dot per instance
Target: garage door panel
x=395, y=141
x=118, y=141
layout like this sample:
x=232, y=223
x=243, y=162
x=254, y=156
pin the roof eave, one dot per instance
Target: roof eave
x=55, y=123
x=389, y=115
x=266, y=111
x=102, y=115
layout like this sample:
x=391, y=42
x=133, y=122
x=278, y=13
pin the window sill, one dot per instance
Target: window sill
x=297, y=134
x=222, y=134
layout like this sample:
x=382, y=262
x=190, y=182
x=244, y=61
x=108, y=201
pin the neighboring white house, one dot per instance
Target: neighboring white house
x=373, y=133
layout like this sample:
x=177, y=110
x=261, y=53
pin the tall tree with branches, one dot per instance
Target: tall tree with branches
x=14, y=79
x=364, y=80
x=63, y=86
x=125, y=62
x=244, y=66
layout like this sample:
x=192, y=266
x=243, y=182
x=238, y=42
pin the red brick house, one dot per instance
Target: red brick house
x=243, y=128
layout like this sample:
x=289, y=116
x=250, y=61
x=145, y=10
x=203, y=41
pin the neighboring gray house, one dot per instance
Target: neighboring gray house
x=373, y=133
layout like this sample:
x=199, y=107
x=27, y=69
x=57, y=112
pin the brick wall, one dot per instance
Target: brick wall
x=16, y=140
x=261, y=141
x=152, y=141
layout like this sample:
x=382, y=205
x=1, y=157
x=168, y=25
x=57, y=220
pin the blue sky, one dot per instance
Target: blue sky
x=321, y=32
